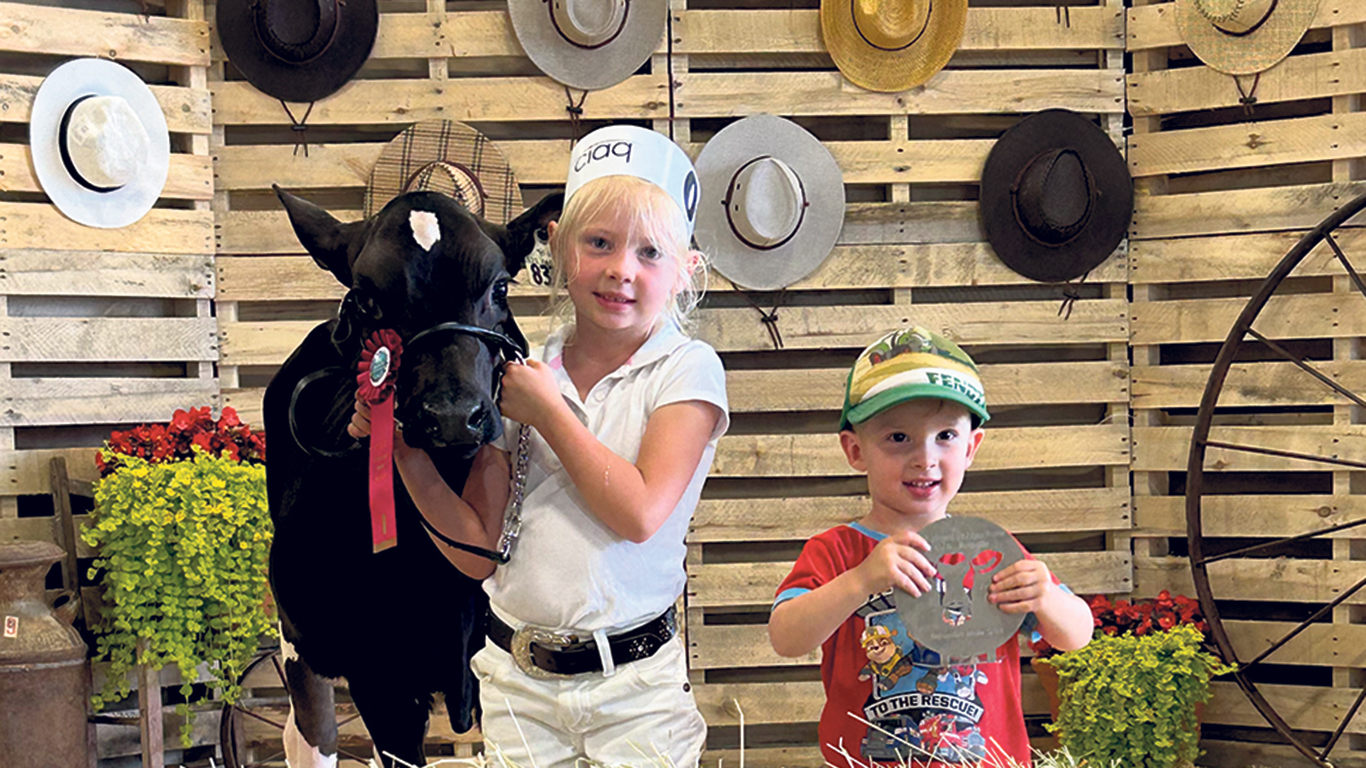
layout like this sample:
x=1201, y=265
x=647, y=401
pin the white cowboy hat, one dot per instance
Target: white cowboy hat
x=99, y=141
x=589, y=44
x=772, y=202
x=1243, y=37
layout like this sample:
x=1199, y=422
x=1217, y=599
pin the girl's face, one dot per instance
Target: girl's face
x=618, y=279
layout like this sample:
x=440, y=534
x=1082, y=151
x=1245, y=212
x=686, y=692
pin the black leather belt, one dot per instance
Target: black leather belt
x=547, y=655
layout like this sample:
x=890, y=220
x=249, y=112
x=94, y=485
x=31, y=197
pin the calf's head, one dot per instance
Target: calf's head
x=422, y=261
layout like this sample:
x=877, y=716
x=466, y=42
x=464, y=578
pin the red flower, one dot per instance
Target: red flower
x=174, y=441
x=1139, y=617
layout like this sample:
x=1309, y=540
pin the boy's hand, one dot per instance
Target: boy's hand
x=1021, y=587
x=898, y=561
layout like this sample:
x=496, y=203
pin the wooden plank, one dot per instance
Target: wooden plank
x=1218, y=752
x=1249, y=145
x=1270, y=384
x=1234, y=257
x=190, y=176
x=44, y=528
x=1312, y=76
x=703, y=94
x=1154, y=26
x=1242, y=210
x=1251, y=516
x=162, y=230
x=1020, y=512
x=1165, y=449
x=58, y=401
x=96, y=273
x=1296, y=316
x=755, y=584
x=187, y=110
x=26, y=472
x=371, y=102
x=107, y=339
x=31, y=29
x=1274, y=579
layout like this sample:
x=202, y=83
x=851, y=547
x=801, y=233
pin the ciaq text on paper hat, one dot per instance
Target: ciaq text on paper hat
x=589, y=44
x=629, y=150
x=449, y=157
x=1056, y=197
x=297, y=50
x=99, y=142
x=892, y=45
x=1243, y=37
x=772, y=202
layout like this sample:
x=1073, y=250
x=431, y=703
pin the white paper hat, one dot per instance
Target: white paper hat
x=627, y=150
x=100, y=146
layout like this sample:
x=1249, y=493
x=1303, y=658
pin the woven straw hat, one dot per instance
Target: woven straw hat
x=449, y=157
x=1243, y=37
x=99, y=141
x=892, y=45
x=589, y=44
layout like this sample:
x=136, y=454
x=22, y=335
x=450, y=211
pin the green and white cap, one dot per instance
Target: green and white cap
x=909, y=364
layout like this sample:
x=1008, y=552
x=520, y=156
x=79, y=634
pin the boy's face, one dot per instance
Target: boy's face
x=915, y=455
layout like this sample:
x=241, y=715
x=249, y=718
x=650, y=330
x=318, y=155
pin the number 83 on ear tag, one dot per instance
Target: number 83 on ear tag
x=539, y=263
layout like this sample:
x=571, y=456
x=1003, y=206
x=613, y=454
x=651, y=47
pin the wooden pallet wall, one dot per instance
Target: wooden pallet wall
x=1223, y=193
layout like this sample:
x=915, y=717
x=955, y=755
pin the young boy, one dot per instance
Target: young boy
x=913, y=410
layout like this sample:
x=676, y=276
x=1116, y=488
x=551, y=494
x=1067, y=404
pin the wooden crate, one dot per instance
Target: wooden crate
x=1223, y=194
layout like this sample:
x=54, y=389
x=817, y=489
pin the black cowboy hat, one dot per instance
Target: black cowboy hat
x=1056, y=197
x=298, y=50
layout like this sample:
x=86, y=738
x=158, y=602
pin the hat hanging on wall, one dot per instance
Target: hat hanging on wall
x=297, y=50
x=450, y=157
x=772, y=202
x=1243, y=37
x=1056, y=197
x=99, y=141
x=892, y=45
x=589, y=44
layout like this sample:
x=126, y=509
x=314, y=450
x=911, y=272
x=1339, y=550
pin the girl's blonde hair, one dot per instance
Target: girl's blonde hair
x=651, y=212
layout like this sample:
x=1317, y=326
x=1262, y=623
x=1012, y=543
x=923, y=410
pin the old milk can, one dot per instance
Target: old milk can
x=43, y=688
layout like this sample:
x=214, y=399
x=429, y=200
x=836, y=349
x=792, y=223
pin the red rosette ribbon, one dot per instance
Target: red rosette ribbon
x=378, y=370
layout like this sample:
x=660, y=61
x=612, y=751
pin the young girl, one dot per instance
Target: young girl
x=584, y=659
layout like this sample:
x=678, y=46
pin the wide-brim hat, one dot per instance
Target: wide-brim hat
x=772, y=202
x=106, y=168
x=450, y=157
x=589, y=44
x=892, y=45
x=1056, y=197
x=297, y=50
x=1243, y=38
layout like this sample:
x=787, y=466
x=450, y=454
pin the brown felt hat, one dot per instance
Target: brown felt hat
x=1243, y=37
x=297, y=50
x=450, y=157
x=892, y=45
x=1056, y=197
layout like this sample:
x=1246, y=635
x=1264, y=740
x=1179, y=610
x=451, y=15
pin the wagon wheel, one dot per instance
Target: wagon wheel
x=1244, y=333
x=250, y=731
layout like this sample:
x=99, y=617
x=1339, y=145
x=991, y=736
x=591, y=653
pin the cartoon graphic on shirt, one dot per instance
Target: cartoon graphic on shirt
x=922, y=707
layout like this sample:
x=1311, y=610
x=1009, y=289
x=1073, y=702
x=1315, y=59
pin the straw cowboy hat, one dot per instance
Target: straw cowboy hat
x=1243, y=37
x=100, y=146
x=589, y=44
x=1056, y=197
x=450, y=157
x=297, y=50
x=892, y=45
x=772, y=202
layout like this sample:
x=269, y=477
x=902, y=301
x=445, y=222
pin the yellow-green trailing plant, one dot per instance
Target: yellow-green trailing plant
x=1132, y=699
x=182, y=540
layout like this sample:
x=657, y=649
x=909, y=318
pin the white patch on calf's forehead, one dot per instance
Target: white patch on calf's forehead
x=426, y=229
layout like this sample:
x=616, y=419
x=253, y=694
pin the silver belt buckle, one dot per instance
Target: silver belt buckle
x=521, y=650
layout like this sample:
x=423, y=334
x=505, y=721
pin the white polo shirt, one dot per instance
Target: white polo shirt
x=569, y=571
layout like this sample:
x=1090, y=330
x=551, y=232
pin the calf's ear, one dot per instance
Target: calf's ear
x=331, y=243
x=519, y=236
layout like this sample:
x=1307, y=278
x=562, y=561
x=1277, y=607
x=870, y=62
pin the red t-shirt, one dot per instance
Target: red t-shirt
x=925, y=711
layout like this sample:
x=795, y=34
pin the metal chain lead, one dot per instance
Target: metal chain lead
x=512, y=521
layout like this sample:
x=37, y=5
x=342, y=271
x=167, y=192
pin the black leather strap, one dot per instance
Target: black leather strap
x=581, y=657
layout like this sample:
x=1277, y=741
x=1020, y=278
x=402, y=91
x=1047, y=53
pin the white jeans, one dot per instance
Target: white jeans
x=644, y=711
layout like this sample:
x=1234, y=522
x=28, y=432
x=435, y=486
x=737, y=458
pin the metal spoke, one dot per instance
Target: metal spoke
x=1286, y=540
x=1342, y=726
x=1305, y=624
x=1342, y=257
x=1307, y=368
x=262, y=718
x=1285, y=454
